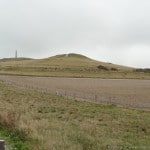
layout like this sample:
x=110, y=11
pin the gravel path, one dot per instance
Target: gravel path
x=127, y=92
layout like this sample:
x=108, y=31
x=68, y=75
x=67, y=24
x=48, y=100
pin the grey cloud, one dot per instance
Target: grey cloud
x=108, y=30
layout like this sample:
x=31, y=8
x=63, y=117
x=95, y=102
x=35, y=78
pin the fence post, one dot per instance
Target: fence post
x=65, y=93
x=2, y=145
x=57, y=93
x=95, y=97
x=74, y=96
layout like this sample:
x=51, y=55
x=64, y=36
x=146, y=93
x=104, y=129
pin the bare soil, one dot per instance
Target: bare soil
x=126, y=92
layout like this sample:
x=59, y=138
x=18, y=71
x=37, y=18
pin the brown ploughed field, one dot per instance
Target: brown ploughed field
x=125, y=92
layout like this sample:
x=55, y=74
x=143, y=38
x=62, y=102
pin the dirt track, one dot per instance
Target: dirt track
x=134, y=93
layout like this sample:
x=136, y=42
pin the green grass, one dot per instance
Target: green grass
x=14, y=139
x=48, y=121
x=72, y=65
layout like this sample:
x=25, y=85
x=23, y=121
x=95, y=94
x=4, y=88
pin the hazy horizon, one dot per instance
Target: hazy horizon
x=106, y=30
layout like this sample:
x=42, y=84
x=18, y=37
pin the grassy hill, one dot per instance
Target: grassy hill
x=32, y=120
x=68, y=65
x=14, y=59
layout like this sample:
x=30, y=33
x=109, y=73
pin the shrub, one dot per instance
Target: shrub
x=114, y=69
x=146, y=70
x=9, y=120
x=100, y=67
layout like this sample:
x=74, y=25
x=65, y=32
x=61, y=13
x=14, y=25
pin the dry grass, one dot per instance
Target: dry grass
x=71, y=66
x=54, y=122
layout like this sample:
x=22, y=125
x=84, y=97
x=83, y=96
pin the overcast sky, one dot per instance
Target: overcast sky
x=116, y=31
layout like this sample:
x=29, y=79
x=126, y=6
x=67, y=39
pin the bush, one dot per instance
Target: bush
x=146, y=70
x=100, y=67
x=114, y=69
x=9, y=120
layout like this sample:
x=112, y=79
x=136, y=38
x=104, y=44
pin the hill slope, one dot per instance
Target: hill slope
x=75, y=62
x=68, y=65
x=14, y=59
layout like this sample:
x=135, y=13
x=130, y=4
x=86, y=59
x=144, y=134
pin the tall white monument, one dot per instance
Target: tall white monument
x=16, y=54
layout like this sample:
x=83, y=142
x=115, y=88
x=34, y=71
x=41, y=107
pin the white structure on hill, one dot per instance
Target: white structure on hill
x=16, y=54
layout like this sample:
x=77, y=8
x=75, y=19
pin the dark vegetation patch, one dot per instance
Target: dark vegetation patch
x=101, y=67
x=104, y=68
x=114, y=69
x=145, y=70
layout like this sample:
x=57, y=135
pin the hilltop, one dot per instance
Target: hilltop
x=71, y=55
x=73, y=61
x=68, y=65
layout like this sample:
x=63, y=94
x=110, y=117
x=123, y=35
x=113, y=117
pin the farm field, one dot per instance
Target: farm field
x=126, y=92
x=37, y=120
